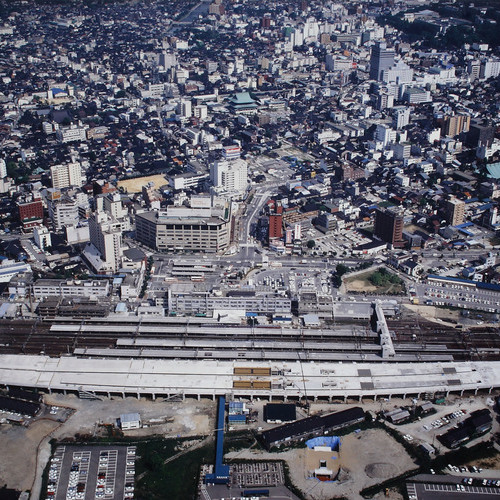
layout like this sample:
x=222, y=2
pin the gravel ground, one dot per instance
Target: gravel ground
x=19, y=468
x=366, y=458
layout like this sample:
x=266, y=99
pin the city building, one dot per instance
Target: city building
x=454, y=210
x=389, y=227
x=66, y=175
x=105, y=238
x=382, y=58
x=185, y=229
x=42, y=238
x=230, y=176
x=43, y=288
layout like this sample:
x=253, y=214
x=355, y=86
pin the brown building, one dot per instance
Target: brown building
x=455, y=125
x=275, y=222
x=454, y=211
x=31, y=213
x=389, y=227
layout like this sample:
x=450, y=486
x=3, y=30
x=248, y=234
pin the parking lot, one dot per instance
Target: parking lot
x=91, y=472
x=450, y=491
x=457, y=295
x=257, y=474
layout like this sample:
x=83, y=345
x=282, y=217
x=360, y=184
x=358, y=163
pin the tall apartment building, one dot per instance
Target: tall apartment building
x=381, y=60
x=389, y=227
x=454, y=210
x=230, y=176
x=106, y=237
x=455, y=125
x=67, y=175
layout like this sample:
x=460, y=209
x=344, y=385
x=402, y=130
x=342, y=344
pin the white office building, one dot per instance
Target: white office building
x=231, y=176
x=42, y=238
x=104, y=252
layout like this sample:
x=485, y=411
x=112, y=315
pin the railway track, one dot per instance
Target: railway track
x=62, y=338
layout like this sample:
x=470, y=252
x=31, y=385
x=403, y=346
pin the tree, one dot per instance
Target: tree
x=311, y=244
x=341, y=269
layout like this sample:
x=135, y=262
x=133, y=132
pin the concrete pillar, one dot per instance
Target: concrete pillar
x=475, y=392
x=418, y=395
x=199, y=397
x=315, y=399
x=490, y=389
x=404, y=395
x=138, y=395
x=213, y=397
x=50, y=390
x=345, y=398
x=153, y=396
x=270, y=397
x=329, y=399
x=64, y=392
x=374, y=398
x=461, y=393
x=360, y=397
x=123, y=395
x=183, y=397
x=389, y=398
x=447, y=393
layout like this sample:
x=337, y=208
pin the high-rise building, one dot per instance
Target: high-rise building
x=454, y=210
x=455, y=125
x=106, y=237
x=67, y=175
x=389, y=227
x=381, y=59
x=276, y=223
x=231, y=176
x=3, y=169
x=400, y=117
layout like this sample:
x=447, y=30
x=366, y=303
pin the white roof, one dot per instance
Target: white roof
x=211, y=377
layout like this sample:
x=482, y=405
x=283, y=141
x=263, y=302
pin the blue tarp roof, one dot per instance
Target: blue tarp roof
x=493, y=170
x=332, y=441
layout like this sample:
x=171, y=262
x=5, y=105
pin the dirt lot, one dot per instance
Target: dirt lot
x=366, y=458
x=438, y=314
x=19, y=451
x=135, y=185
x=20, y=444
x=359, y=284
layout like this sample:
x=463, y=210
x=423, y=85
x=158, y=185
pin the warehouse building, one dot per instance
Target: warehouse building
x=314, y=425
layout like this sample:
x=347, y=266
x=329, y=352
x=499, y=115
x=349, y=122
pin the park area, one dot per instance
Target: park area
x=380, y=281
